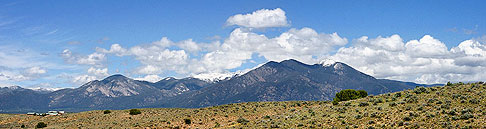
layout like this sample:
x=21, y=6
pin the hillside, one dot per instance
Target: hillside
x=454, y=106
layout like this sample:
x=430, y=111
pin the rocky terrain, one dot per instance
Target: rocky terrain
x=451, y=106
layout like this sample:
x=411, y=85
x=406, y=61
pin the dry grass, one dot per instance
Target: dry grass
x=458, y=106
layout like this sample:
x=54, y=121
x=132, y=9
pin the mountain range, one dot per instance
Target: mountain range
x=273, y=81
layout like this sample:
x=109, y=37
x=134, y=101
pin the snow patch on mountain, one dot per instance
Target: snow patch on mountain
x=214, y=77
x=11, y=87
x=327, y=62
x=45, y=89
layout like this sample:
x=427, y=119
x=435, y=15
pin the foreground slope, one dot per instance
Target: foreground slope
x=456, y=106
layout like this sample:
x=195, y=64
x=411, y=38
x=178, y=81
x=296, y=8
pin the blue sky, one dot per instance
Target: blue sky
x=34, y=35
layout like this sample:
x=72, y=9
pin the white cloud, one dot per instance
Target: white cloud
x=303, y=44
x=95, y=59
x=114, y=49
x=35, y=70
x=424, y=61
x=82, y=79
x=150, y=78
x=189, y=45
x=103, y=72
x=12, y=76
x=260, y=19
x=426, y=47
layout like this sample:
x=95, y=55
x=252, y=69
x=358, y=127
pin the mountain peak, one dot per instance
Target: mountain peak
x=13, y=87
x=115, y=77
x=169, y=78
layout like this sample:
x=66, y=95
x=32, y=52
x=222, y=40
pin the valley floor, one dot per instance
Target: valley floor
x=456, y=106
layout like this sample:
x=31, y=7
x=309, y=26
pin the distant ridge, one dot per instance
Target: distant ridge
x=273, y=81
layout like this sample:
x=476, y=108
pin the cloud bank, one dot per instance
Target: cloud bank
x=425, y=60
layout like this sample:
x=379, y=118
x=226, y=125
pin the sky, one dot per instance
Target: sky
x=58, y=44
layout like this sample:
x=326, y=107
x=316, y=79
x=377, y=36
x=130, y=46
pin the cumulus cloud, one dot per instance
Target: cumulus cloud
x=426, y=60
x=303, y=44
x=103, y=72
x=82, y=79
x=35, y=71
x=260, y=19
x=427, y=46
x=114, y=49
x=95, y=59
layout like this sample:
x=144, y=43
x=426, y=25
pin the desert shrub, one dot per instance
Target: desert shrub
x=274, y=126
x=466, y=116
x=350, y=94
x=449, y=84
x=397, y=95
x=408, y=108
x=347, y=104
x=187, y=121
x=400, y=123
x=341, y=110
x=452, y=112
x=378, y=100
x=362, y=104
x=41, y=125
x=135, y=112
x=242, y=120
x=217, y=125
x=22, y=126
x=455, y=96
x=358, y=116
x=407, y=118
x=371, y=122
x=106, y=112
x=445, y=106
x=266, y=117
x=474, y=101
x=392, y=104
x=420, y=90
x=438, y=102
x=467, y=110
x=412, y=99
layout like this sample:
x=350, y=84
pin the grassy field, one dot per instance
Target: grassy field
x=456, y=106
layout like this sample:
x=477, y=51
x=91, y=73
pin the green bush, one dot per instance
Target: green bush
x=135, y=112
x=41, y=125
x=106, y=112
x=335, y=102
x=362, y=93
x=349, y=94
x=449, y=84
